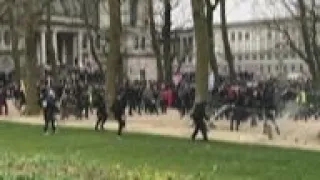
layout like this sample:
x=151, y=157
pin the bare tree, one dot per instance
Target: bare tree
x=227, y=49
x=201, y=34
x=210, y=8
x=15, y=54
x=155, y=40
x=51, y=57
x=114, y=56
x=87, y=12
x=33, y=11
x=304, y=43
x=164, y=46
x=166, y=36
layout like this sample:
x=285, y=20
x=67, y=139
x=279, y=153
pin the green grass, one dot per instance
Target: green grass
x=218, y=160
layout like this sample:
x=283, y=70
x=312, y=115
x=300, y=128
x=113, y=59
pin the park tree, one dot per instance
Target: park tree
x=33, y=11
x=154, y=41
x=300, y=33
x=114, y=54
x=166, y=36
x=163, y=40
x=87, y=11
x=15, y=53
x=225, y=38
x=210, y=8
x=202, y=44
x=51, y=57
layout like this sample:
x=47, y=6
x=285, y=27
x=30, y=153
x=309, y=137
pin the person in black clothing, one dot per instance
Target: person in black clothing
x=269, y=105
x=131, y=97
x=240, y=109
x=50, y=109
x=102, y=114
x=118, y=109
x=198, y=116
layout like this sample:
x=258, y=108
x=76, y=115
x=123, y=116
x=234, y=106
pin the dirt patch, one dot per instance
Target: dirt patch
x=299, y=134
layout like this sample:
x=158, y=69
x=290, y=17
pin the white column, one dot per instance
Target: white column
x=89, y=50
x=64, y=52
x=75, y=49
x=55, y=45
x=80, y=39
x=43, y=48
x=38, y=51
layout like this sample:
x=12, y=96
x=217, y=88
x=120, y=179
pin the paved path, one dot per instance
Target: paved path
x=172, y=125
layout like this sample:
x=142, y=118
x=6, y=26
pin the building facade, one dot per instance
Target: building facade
x=138, y=56
x=70, y=41
x=256, y=47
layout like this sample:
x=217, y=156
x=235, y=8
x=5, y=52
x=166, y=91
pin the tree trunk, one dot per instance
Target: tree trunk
x=154, y=41
x=212, y=54
x=166, y=35
x=227, y=49
x=31, y=73
x=114, y=56
x=201, y=36
x=15, y=54
x=51, y=57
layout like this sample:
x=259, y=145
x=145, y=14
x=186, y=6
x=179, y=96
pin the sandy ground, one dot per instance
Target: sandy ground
x=302, y=135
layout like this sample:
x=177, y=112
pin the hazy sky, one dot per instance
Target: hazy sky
x=237, y=10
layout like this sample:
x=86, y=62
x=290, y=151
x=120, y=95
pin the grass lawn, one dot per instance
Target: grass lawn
x=227, y=161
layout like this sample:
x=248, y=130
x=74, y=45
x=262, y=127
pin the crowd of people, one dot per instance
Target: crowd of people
x=80, y=94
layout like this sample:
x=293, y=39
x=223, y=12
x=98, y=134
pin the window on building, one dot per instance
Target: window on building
x=84, y=42
x=239, y=36
x=254, y=56
x=133, y=12
x=269, y=35
x=7, y=38
x=136, y=42
x=269, y=56
x=142, y=74
x=285, y=69
x=277, y=55
x=190, y=41
x=240, y=57
x=285, y=55
x=261, y=68
x=239, y=68
x=143, y=43
x=277, y=68
x=269, y=69
x=247, y=36
x=233, y=36
x=98, y=43
x=293, y=68
x=246, y=57
x=185, y=43
x=262, y=56
x=190, y=59
x=301, y=68
x=293, y=54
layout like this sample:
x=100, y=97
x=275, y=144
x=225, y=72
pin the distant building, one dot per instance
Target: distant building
x=71, y=44
x=139, y=60
x=256, y=48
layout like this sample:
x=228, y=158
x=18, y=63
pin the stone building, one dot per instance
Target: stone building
x=70, y=39
x=139, y=60
x=255, y=46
